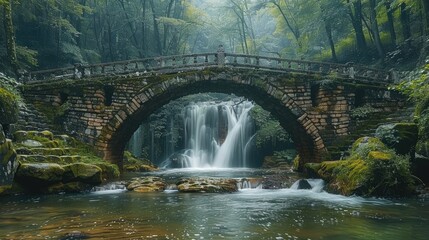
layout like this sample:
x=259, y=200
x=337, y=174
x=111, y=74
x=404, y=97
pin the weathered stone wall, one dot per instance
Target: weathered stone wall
x=106, y=111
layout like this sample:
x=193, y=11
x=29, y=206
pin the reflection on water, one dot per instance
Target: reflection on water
x=248, y=214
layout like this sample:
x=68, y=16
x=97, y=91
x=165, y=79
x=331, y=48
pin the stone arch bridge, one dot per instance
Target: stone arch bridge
x=103, y=104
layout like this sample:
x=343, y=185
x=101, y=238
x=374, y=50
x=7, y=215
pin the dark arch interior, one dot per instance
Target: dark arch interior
x=303, y=141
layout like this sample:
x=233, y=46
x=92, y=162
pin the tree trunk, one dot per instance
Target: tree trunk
x=357, y=25
x=405, y=22
x=374, y=28
x=10, y=36
x=130, y=25
x=143, y=42
x=390, y=23
x=295, y=31
x=328, y=29
x=157, y=37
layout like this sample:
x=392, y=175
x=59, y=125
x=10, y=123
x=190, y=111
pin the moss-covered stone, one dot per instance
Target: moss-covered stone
x=39, y=174
x=8, y=107
x=364, y=145
x=146, y=184
x=311, y=169
x=400, y=136
x=81, y=172
x=379, y=156
x=109, y=171
x=207, y=185
x=371, y=170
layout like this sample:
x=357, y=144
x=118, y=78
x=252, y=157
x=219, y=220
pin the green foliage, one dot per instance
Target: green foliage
x=269, y=130
x=8, y=107
x=371, y=170
x=363, y=112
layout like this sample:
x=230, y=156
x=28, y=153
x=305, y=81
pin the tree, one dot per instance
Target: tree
x=374, y=28
x=10, y=35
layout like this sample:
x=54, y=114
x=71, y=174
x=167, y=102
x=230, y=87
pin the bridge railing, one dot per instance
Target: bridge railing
x=349, y=70
x=219, y=59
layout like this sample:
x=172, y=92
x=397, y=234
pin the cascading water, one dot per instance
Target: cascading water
x=217, y=135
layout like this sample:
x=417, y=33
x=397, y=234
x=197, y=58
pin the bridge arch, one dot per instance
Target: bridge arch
x=114, y=136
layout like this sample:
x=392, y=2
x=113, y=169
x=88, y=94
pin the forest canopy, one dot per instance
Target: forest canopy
x=40, y=34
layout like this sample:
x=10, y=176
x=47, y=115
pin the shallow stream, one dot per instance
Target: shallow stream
x=247, y=214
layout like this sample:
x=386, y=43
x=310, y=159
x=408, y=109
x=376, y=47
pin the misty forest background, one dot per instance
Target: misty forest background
x=41, y=34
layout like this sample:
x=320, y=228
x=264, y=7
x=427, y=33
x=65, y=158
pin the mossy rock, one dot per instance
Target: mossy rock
x=400, y=136
x=139, y=168
x=40, y=159
x=379, y=156
x=39, y=174
x=81, y=172
x=364, y=145
x=109, y=171
x=207, y=185
x=9, y=109
x=8, y=163
x=70, y=159
x=311, y=169
x=146, y=184
x=346, y=177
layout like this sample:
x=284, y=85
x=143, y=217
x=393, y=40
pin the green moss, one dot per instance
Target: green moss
x=8, y=107
x=377, y=156
x=363, y=146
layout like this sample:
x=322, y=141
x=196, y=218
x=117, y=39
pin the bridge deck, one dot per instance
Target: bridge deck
x=219, y=59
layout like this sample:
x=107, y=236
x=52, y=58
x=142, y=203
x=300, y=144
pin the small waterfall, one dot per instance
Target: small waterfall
x=315, y=184
x=216, y=134
x=136, y=142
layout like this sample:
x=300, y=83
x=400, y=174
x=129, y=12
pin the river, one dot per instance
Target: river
x=248, y=214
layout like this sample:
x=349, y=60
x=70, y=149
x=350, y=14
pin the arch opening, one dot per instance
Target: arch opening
x=212, y=130
x=293, y=119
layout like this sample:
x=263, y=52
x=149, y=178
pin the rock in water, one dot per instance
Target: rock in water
x=39, y=174
x=82, y=172
x=303, y=184
x=209, y=185
x=146, y=184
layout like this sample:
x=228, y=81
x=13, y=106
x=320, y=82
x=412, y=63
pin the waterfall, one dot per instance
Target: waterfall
x=136, y=142
x=216, y=134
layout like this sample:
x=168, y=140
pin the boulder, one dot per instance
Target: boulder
x=209, y=185
x=400, y=136
x=146, y=184
x=39, y=174
x=81, y=172
x=371, y=170
x=109, y=171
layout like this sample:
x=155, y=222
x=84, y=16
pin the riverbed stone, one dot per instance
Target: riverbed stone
x=146, y=184
x=82, y=172
x=40, y=174
x=207, y=185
